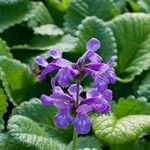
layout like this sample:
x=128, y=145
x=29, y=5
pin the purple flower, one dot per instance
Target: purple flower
x=97, y=99
x=66, y=71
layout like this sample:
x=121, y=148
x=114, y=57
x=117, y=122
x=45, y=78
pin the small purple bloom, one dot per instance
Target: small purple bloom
x=71, y=102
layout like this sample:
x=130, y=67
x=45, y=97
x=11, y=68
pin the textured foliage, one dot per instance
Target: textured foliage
x=17, y=80
x=133, y=48
x=126, y=129
x=79, y=9
x=124, y=125
x=3, y=105
x=94, y=27
x=28, y=132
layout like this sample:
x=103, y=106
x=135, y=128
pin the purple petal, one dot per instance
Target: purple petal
x=90, y=72
x=61, y=96
x=111, y=61
x=82, y=123
x=95, y=58
x=55, y=54
x=92, y=93
x=95, y=66
x=84, y=109
x=46, y=100
x=102, y=107
x=110, y=74
x=62, y=63
x=62, y=118
x=100, y=84
x=73, y=89
x=65, y=75
x=93, y=45
x=41, y=61
x=107, y=95
x=51, y=67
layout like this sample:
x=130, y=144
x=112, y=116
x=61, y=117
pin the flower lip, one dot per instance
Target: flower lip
x=41, y=61
x=55, y=53
x=93, y=45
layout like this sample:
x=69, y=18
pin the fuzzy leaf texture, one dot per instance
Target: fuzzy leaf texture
x=79, y=9
x=133, y=48
x=17, y=80
x=4, y=49
x=95, y=27
x=124, y=125
x=143, y=88
x=8, y=11
x=28, y=132
x=31, y=110
x=3, y=107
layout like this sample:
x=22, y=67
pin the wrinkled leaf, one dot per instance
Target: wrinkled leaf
x=17, y=80
x=3, y=106
x=28, y=132
x=79, y=9
x=4, y=49
x=133, y=43
x=87, y=143
x=117, y=131
x=49, y=29
x=94, y=27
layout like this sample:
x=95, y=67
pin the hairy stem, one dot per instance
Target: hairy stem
x=75, y=135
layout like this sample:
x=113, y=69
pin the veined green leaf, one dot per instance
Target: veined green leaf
x=64, y=43
x=94, y=27
x=143, y=88
x=4, y=49
x=31, y=110
x=40, y=15
x=126, y=129
x=3, y=105
x=8, y=11
x=87, y=143
x=28, y=132
x=49, y=29
x=131, y=106
x=79, y=9
x=129, y=120
x=132, y=35
x=17, y=80
x=7, y=142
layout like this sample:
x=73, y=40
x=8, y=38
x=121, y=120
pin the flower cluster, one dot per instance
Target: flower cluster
x=72, y=108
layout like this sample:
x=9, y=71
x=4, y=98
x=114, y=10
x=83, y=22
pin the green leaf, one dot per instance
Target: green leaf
x=40, y=15
x=144, y=5
x=8, y=143
x=131, y=106
x=31, y=110
x=28, y=132
x=79, y=9
x=60, y=5
x=3, y=105
x=135, y=145
x=143, y=89
x=8, y=11
x=49, y=29
x=132, y=35
x=87, y=143
x=94, y=27
x=4, y=49
x=17, y=80
x=117, y=131
x=64, y=43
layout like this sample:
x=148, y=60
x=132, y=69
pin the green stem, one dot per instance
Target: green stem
x=75, y=135
x=74, y=144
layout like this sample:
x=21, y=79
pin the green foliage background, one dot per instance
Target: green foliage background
x=29, y=28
